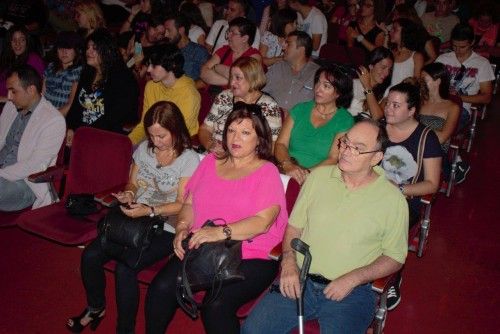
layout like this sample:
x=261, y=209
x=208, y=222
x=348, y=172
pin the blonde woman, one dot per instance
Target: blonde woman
x=89, y=17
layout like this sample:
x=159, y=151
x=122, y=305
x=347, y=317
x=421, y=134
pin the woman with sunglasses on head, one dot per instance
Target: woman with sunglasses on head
x=372, y=81
x=309, y=137
x=161, y=167
x=257, y=216
x=240, y=36
x=246, y=82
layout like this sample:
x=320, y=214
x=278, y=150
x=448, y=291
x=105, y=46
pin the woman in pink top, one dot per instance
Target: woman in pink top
x=17, y=50
x=243, y=188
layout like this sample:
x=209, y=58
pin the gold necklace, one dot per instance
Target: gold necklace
x=164, y=161
x=324, y=115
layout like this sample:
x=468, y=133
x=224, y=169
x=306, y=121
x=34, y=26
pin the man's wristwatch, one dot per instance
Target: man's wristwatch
x=227, y=231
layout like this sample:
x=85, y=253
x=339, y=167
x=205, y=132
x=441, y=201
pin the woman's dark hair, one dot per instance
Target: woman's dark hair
x=412, y=93
x=169, y=117
x=378, y=54
x=193, y=13
x=273, y=7
x=378, y=9
x=411, y=37
x=169, y=57
x=69, y=40
x=253, y=112
x=280, y=19
x=108, y=51
x=375, y=56
x=341, y=80
x=439, y=71
x=462, y=32
x=245, y=27
x=8, y=58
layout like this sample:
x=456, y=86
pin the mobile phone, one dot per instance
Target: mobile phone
x=137, y=48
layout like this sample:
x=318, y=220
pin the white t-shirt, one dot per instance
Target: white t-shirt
x=478, y=69
x=358, y=98
x=221, y=41
x=194, y=33
x=314, y=23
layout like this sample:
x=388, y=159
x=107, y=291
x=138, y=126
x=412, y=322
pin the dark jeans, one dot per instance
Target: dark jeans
x=220, y=315
x=127, y=286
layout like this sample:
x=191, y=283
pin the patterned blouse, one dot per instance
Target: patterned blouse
x=223, y=105
x=58, y=84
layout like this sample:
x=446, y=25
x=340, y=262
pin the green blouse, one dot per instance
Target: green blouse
x=311, y=145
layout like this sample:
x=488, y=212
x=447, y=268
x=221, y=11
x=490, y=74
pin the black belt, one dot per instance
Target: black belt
x=318, y=279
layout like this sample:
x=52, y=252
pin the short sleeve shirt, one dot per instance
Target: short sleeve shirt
x=348, y=229
x=478, y=70
x=310, y=145
x=299, y=87
x=314, y=23
x=58, y=84
x=158, y=185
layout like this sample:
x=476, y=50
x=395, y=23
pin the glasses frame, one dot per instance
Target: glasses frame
x=353, y=149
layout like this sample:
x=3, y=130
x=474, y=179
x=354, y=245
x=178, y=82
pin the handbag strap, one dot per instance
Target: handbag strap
x=184, y=293
x=420, y=153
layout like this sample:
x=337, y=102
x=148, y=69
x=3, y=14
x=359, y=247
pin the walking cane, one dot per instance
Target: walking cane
x=303, y=248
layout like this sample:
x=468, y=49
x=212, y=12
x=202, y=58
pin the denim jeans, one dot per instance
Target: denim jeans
x=276, y=314
x=15, y=195
x=127, y=286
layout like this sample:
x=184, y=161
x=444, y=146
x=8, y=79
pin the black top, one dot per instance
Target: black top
x=370, y=36
x=108, y=107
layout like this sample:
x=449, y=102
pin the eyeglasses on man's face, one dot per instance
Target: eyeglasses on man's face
x=355, y=151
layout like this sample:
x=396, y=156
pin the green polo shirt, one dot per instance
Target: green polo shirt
x=347, y=229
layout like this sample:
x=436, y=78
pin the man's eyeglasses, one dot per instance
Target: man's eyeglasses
x=344, y=144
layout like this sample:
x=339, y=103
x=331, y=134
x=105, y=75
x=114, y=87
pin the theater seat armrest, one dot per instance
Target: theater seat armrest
x=383, y=283
x=427, y=199
x=51, y=174
x=105, y=197
x=275, y=253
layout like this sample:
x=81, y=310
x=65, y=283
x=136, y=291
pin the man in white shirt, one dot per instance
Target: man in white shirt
x=217, y=36
x=311, y=21
x=471, y=74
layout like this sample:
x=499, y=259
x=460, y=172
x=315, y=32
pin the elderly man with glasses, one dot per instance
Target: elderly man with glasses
x=356, y=223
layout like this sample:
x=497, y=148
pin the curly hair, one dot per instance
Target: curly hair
x=108, y=52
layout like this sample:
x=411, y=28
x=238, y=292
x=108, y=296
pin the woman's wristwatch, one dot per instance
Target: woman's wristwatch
x=227, y=231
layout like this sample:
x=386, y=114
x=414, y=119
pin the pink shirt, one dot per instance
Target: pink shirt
x=234, y=200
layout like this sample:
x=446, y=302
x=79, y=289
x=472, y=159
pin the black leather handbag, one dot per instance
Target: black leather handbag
x=125, y=238
x=211, y=266
x=81, y=204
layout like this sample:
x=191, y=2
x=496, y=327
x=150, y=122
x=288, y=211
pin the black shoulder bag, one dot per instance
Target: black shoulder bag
x=125, y=238
x=211, y=266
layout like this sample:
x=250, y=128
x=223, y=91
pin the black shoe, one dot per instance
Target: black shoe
x=394, y=295
x=463, y=169
x=74, y=324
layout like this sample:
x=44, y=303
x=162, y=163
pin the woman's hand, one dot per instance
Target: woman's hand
x=206, y=234
x=179, y=236
x=298, y=173
x=124, y=197
x=69, y=137
x=364, y=77
x=136, y=210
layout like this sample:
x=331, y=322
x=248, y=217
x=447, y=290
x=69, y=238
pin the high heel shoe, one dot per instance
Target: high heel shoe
x=95, y=319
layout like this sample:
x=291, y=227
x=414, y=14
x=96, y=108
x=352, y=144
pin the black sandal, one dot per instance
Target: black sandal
x=95, y=320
